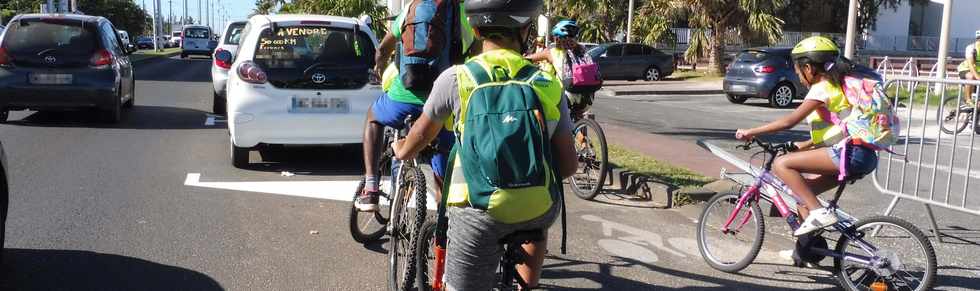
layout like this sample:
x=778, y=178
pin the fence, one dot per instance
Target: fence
x=912, y=66
x=934, y=161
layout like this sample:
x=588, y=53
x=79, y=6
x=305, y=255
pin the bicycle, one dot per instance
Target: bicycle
x=408, y=181
x=869, y=266
x=593, y=157
x=508, y=279
x=954, y=116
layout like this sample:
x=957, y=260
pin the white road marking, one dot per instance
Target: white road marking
x=330, y=190
x=212, y=119
x=942, y=168
x=637, y=237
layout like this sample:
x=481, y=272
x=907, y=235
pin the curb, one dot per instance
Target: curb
x=661, y=92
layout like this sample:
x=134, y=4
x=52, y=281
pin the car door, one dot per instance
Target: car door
x=120, y=53
x=633, y=62
x=609, y=62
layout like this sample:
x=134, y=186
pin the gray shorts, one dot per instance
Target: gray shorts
x=473, y=253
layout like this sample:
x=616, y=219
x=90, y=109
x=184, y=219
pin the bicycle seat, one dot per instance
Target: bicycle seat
x=523, y=236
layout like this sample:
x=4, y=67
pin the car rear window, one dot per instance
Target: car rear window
x=197, y=33
x=752, y=56
x=291, y=51
x=234, y=33
x=64, y=36
x=175, y=34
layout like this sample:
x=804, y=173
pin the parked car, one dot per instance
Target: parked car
x=223, y=57
x=196, y=40
x=588, y=45
x=124, y=36
x=64, y=61
x=763, y=73
x=144, y=42
x=299, y=80
x=175, y=38
x=628, y=61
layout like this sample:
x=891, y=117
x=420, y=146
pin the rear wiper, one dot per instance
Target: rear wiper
x=40, y=53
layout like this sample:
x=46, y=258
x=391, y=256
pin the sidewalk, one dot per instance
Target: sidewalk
x=673, y=151
x=626, y=88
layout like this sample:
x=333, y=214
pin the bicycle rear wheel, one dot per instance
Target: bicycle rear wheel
x=951, y=120
x=593, y=162
x=734, y=250
x=405, y=224
x=907, y=258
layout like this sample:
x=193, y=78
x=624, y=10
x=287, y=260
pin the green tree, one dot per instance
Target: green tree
x=124, y=14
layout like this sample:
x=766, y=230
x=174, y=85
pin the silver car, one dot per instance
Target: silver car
x=223, y=57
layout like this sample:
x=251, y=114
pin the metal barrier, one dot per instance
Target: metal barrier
x=932, y=166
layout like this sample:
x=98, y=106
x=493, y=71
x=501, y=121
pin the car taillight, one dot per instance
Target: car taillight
x=101, y=58
x=221, y=64
x=249, y=72
x=4, y=57
x=765, y=69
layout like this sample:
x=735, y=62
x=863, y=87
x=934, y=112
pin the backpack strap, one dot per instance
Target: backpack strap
x=479, y=74
x=526, y=73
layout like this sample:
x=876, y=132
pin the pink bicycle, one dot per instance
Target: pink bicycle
x=731, y=230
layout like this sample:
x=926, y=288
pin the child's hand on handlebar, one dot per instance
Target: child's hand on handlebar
x=744, y=135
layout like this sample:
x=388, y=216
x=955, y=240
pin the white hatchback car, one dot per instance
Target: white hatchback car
x=300, y=80
x=224, y=54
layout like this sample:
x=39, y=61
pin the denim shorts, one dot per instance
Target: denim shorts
x=392, y=114
x=860, y=160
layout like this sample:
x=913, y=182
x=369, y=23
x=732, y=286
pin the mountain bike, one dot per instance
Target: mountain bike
x=593, y=158
x=431, y=267
x=954, y=116
x=731, y=230
x=406, y=183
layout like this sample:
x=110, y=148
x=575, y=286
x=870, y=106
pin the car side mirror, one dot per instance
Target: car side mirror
x=223, y=55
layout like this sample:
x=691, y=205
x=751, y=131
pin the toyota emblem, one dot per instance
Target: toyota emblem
x=50, y=59
x=319, y=78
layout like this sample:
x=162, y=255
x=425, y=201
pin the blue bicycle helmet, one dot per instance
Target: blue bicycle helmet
x=565, y=28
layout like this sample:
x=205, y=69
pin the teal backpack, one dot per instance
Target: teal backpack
x=505, y=146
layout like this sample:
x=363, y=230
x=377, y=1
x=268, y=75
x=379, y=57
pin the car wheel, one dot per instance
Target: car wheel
x=651, y=74
x=239, y=155
x=782, y=96
x=183, y=56
x=132, y=98
x=114, y=113
x=736, y=99
x=4, y=114
x=220, y=104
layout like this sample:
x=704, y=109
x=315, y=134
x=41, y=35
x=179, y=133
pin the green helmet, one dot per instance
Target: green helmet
x=815, y=50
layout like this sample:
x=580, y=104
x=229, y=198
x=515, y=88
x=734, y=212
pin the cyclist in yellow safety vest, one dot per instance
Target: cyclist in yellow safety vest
x=970, y=68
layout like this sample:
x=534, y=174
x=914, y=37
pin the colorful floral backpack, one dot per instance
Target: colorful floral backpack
x=872, y=120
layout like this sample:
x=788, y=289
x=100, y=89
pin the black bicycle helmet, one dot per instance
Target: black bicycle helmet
x=502, y=13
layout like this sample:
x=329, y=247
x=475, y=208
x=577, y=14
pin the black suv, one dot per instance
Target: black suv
x=65, y=61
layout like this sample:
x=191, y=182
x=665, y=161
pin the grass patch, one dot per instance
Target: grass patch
x=147, y=54
x=918, y=97
x=647, y=166
x=692, y=75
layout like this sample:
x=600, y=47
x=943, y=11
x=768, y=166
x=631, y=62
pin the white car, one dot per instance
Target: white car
x=300, y=80
x=223, y=57
x=195, y=40
x=175, y=38
x=124, y=36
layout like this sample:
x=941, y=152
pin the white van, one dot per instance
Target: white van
x=124, y=36
x=196, y=40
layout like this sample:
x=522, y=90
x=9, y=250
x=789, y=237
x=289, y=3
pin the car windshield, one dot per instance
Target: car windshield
x=197, y=33
x=234, y=34
x=35, y=36
x=145, y=39
x=752, y=56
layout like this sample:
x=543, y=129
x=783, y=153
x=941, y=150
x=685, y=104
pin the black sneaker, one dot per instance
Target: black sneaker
x=367, y=201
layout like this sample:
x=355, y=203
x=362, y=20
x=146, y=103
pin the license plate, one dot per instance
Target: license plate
x=51, y=79
x=738, y=88
x=320, y=105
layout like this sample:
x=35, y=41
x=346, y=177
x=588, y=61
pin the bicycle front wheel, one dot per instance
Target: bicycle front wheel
x=732, y=250
x=903, y=258
x=425, y=264
x=405, y=224
x=951, y=119
x=368, y=226
x=593, y=162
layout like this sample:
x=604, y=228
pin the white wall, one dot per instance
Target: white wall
x=893, y=22
x=965, y=20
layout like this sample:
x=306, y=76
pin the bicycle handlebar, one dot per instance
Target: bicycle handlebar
x=771, y=148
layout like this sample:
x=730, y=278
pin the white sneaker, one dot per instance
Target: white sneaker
x=819, y=218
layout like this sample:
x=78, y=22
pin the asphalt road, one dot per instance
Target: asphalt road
x=152, y=203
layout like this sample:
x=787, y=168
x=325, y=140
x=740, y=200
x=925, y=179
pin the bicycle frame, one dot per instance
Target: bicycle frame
x=768, y=187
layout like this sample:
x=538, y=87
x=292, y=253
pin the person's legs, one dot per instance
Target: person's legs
x=968, y=90
x=789, y=168
x=384, y=112
x=473, y=252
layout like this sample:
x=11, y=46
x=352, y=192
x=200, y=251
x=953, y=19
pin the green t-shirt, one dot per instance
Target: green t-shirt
x=398, y=92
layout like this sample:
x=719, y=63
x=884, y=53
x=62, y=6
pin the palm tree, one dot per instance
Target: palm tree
x=713, y=20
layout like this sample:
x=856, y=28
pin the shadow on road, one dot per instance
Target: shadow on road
x=310, y=160
x=193, y=69
x=26, y=269
x=729, y=134
x=138, y=117
x=608, y=281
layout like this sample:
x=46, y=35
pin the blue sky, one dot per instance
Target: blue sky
x=236, y=9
